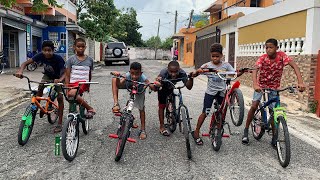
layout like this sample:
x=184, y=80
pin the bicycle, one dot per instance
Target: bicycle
x=70, y=129
x=126, y=116
x=177, y=115
x=233, y=99
x=28, y=118
x=261, y=123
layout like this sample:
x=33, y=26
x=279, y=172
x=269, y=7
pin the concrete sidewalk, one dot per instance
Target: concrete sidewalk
x=304, y=125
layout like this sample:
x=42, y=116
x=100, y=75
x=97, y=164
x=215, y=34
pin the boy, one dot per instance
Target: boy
x=173, y=71
x=215, y=88
x=135, y=74
x=270, y=67
x=53, y=71
x=79, y=68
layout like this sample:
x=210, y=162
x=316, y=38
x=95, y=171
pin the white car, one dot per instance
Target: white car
x=116, y=52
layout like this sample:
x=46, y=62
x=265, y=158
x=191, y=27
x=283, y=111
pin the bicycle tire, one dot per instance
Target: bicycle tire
x=53, y=116
x=186, y=132
x=32, y=66
x=237, y=95
x=26, y=126
x=84, y=122
x=284, y=161
x=215, y=134
x=123, y=135
x=70, y=126
x=171, y=118
x=257, y=126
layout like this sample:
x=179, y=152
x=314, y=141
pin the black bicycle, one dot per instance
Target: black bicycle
x=178, y=115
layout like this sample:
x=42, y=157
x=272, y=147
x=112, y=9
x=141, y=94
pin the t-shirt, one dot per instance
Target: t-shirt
x=142, y=79
x=80, y=70
x=53, y=67
x=216, y=84
x=164, y=74
x=270, y=71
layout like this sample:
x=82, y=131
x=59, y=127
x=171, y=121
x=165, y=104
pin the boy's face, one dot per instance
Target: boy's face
x=80, y=47
x=135, y=74
x=47, y=52
x=271, y=49
x=216, y=57
x=173, y=71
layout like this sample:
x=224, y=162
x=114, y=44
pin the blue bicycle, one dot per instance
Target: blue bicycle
x=275, y=122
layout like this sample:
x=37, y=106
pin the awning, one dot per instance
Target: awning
x=75, y=28
x=178, y=36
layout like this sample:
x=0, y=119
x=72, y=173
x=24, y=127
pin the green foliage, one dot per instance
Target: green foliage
x=37, y=6
x=201, y=24
x=167, y=44
x=313, y=105
x=153, y=42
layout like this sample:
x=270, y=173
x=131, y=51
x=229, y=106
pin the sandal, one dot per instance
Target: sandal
x=90, y=113
x=142, y=134
x=116, y=108
x=58, y=128
x=165, y=133
x=198, y=140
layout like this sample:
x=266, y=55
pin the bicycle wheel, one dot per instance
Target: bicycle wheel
x=84, y=122
x=216, y=133
x=283, y=142
x=32, y=66
x=70, y=138
x=123, y=134
x=184, y=119
x=26, y=125
x=171, y=117
x=257, y=125
x=236, y=107
x=53, y=115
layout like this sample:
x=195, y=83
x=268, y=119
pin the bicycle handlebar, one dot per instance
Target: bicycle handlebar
x=290, y=88
x=221, y=73
x=172, y=84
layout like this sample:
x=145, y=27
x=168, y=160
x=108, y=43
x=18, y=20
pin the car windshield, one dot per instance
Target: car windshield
x=114, y=45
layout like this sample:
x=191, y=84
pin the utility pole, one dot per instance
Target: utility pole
x=155, y=51
x=175, y=22
x=191, y=14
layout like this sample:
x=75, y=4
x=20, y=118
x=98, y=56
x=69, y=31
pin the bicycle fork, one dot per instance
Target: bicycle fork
x=116, y=136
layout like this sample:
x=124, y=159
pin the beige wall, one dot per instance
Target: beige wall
x=223, y=40
x=290, y=26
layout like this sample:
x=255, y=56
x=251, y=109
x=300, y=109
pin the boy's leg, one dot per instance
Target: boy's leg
x=116, y=85
x=139, y=103
x=207, y=103
x=255, y=104
x=162, y=98
x=58, y=128
x=81, y=101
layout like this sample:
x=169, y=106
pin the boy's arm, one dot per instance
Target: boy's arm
x=67, y=75
x=301, y=85
x=23, y=66
x=62, y=77
x=255, y=84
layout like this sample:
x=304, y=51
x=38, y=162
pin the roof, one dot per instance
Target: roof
x=178, y=35
x=216, y=5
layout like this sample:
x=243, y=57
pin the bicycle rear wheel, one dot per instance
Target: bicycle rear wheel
x=186, y=132
x=53, y=115
x=257, y=125
x=84, y=122
x=26, y=125
x=123, y=134
x=171, y=117
x=236, y=107
x=70, y=138
x=283, y=142
x=216, y=133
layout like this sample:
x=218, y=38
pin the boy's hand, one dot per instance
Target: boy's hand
x=159, y=79
x=302, y=87
x=19, y=74
x=257, y=88
x=115, y=73
x=157, y=83
x=57, y=81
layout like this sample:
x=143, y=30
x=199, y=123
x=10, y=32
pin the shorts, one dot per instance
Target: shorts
x=83, y=87
x=257, y=96
x=208, y=101
x=139, y=98
x=46, y=78
x=162, y=96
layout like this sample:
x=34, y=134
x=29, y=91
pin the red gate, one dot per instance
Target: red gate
x=317, y=85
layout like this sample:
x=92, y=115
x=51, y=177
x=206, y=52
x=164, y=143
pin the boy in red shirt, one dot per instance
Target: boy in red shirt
x=270, y=67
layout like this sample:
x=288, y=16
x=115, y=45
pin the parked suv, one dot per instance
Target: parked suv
x=116, y=52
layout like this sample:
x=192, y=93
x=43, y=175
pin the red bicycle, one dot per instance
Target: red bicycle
x=233, y=100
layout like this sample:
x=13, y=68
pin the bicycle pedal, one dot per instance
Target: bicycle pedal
x=206, y=134
x=135, y=126
x=131, y=140
x=117, y=114
x=226, y=135
x=114, y=136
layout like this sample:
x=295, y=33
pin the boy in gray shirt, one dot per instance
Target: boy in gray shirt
x=215, y=88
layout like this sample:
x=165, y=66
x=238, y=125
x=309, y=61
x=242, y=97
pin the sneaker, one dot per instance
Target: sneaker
x=245, y=140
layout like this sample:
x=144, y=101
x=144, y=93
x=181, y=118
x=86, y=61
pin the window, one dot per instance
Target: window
x=255, y=3
x=53, y=36
x=63, y=39
x=189, y=47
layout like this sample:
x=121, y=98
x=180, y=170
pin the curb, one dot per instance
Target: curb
x=9, y=103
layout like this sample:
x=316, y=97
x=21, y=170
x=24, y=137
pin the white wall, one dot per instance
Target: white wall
x=96, y=51
x=22, y=39
x=146, y=53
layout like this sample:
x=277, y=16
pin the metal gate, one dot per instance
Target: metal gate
x=202, y=47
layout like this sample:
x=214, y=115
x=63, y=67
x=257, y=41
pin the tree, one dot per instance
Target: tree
x=202, y=21
x=126, y=28
x=153, y=42
x=37, y=5
x=167, y=44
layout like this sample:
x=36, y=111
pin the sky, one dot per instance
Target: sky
x=150, y=11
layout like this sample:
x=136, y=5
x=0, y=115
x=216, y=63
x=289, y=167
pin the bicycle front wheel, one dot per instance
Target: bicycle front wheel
x=70, y=138
x=26, y=125
x=257, y=125
x=236, y=107
x=171, y=117
x=123, y=134
x=216, y=133
x=283, y=142
x=53, y=115
x=185, y=119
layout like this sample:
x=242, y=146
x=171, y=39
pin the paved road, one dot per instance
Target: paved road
x=157, y=157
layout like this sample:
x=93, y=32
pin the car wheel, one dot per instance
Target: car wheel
x=117, y=52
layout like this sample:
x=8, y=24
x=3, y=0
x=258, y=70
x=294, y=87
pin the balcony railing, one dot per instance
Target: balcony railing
x=293, y=46
x=68, y=5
